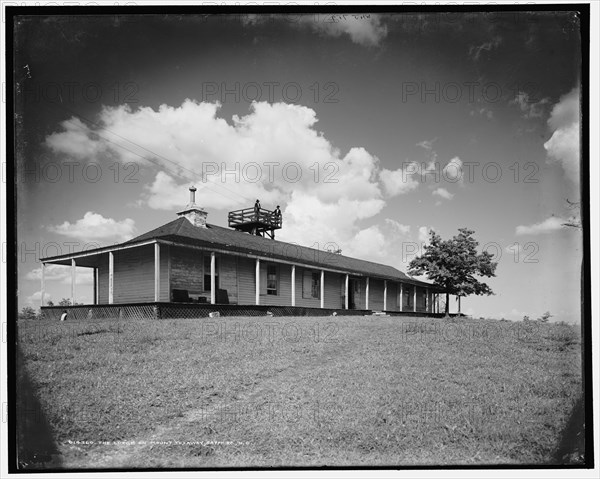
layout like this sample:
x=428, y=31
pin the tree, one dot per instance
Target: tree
x=64, y=302
x=453, y=265
x=545, y=317
x=27, y=313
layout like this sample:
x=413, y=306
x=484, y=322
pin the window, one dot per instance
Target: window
x=272, y=280
x=207, y=272
x=316, y=285
x=311, y=285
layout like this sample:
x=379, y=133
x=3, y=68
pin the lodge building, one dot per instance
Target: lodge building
x=187, y=268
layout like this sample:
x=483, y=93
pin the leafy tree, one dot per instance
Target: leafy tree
x=50, y=303
x=525, y=318
x=27, y=313
x=64, y=302
x=453, y=265
x=545, y=317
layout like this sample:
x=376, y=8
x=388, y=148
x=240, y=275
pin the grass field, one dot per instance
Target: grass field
x=264, y=392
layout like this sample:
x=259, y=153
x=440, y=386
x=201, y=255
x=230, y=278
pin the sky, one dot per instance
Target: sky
x=369, y=131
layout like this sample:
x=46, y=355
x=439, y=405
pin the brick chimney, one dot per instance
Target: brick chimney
x=193, y=213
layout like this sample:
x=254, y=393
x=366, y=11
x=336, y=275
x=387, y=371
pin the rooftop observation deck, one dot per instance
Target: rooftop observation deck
x=259, y=222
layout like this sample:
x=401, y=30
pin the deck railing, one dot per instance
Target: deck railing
x=249, y=215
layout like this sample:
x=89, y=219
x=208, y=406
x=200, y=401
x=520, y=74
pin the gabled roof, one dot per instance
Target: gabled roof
x=183, y=232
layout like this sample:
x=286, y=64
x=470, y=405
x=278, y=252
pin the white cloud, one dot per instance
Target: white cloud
x=363, y=29
x=475, y=51
x=94, y=227
x=366, y=30
x=453, y=171
x=427, y=144
x=424, y=234
x=397, y=226
x=550, y=224
x=35, y=298
x=400, y=181
x=443, y=193
x=56, y=272
x=76, y=140
x=563, y=146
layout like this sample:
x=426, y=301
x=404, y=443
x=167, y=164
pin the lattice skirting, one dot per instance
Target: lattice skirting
x=184, y=310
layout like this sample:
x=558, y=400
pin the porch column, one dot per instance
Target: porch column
x=401, y=297
x=95, y=285
x=367, y=294
x=111, y=276
x=427, y=300
x=213, y=278
x=156, y=272
x=257, y=282
x=293, y=285
x=43, y=286
x=73, y=279
x=385, y=295
x=346, y=291
x=415, y=299
x=322, y=288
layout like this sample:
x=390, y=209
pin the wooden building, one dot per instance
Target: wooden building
x=189, y=261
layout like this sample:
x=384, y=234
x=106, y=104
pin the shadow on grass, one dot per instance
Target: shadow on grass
x=36, y=448
x=571, y=448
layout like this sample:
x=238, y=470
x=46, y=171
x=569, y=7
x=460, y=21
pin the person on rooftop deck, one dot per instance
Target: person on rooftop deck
x=277, y=214
x=256, y=210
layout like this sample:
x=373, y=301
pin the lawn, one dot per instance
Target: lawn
x=267, y=392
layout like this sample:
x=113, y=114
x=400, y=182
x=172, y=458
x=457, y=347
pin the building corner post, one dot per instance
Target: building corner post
x=346, y=289
x=257, y=283
x=322, y=288
x=157, y=272
x=293, y=285
x=213, y=278
x=43, y=287
x=73, y=281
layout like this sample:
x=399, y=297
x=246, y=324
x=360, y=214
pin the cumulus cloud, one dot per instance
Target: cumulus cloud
x=550, y=224
x=94, y=227
x=453, y=171
x=399, y=181
x=443, y=193
x=273, y=153
x=424, y=234
x=397, y=226
x=35, y=298
x=563, y=146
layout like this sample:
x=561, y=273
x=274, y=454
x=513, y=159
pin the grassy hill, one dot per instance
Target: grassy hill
x=262, y=392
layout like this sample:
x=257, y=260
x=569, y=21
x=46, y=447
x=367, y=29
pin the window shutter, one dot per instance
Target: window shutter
x=263, y=278
x=307, y=284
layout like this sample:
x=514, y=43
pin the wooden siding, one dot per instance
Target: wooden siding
x=376, y=294
x=305, y=302
x=284, y=285
x=392, y=295
x=334, y=290
x=228, y=276
x=183, y=268
x=134, y=275
x=246, y=272
x=186, y=271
